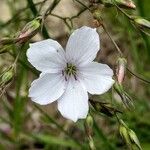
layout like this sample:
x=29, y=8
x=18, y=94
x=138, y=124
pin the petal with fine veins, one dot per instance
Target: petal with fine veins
x=82, y=46
x=46, y=56
x=47, y=88
x=96, y=77
x=74, y=102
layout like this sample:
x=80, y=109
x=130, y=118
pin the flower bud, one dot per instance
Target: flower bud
x=123, y=129
x=89, y=121
x=89, y=131
x=121, y=69
x=128, y=135
x=141, y=22
x=7, y=76
x=125, y=4
x=89, y=125
x=134, y=138
x=29, y=30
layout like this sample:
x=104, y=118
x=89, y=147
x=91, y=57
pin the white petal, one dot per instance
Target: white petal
x=47, y=88
x=83, y=45
x=96, y=77
x=73, y=104
x=46, y=56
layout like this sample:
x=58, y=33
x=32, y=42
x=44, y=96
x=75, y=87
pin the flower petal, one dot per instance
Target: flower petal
x=74, y=102
x=47, y=88
x=46, y=56
x=83, y=45
x=96, y=77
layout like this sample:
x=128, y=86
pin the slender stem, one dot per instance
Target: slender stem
x=50, y=8
x=147, y=81
x=42, y=3
x=122, y=11
x=118, y=49
x=79, y=13
x=83, y=5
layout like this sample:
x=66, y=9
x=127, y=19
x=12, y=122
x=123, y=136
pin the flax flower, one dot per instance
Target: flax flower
x=69, y=75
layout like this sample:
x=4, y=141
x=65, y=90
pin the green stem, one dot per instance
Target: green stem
x=137, y=76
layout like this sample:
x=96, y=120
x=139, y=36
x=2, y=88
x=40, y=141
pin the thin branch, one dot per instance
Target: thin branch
x=83, y=5
x=137, y=76
x=118, y=49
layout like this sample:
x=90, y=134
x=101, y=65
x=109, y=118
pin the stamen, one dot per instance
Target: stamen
x=62, y=72
x=75, y=77
x=70, y=70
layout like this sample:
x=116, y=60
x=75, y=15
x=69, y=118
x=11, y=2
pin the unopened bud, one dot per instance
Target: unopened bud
x=29, y=30
x=134, y=138
x=123, y=129
x=125, y=4
x=89, y=125
x=141, y=22
x=128, y=135
x=121, y=69
x=7, y=76
x=89, y=121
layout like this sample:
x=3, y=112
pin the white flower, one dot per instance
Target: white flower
x=68, y=76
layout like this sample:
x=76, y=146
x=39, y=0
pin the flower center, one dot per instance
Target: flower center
x=70, y=69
